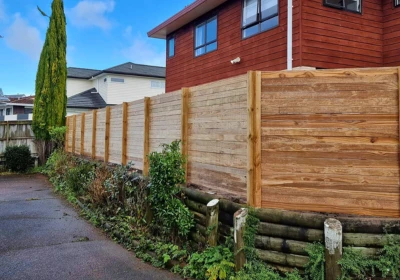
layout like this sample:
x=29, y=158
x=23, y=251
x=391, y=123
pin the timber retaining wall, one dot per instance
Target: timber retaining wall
x=282, y=235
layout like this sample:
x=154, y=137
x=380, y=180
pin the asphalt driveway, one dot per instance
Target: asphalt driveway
x=43, y=237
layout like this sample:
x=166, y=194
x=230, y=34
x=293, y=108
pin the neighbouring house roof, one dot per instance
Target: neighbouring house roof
x=81, y=73
x=185, y=16
x=89, y=99
x=130, y=68
x=23, y=100
x=127, y=68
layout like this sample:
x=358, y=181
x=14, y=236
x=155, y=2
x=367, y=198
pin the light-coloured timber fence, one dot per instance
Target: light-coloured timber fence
x=323, y=140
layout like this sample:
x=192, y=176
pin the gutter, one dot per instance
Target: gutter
x=290, y=36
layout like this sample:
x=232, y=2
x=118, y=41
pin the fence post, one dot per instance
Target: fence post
x=212, y=222
x=66, y=134
x=146, y=140
x=184, y=128
x=124, y=133
x=8, y=133
x=333, y=248
x=73, y=134
x=94, y=130
x=254, y=139
x=83, y=134
x=398, y=71
x=107, y=135
x=239, y=221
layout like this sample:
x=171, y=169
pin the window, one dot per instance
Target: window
x=1, y=112
x=259, y=16
x=206, y=37
x=105, y=80
x=117, y=80
x=157, y=84
x=8, y=111
x=396, y=3
x=347, y=5
x=171, y=47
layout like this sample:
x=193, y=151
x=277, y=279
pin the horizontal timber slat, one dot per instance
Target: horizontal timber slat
x=330, y=141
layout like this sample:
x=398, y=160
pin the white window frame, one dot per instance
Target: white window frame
x=117, y=80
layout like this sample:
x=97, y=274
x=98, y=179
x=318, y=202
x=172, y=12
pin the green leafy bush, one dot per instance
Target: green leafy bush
x=57, y=135
x=18, y=158
x=258, y=270
x=355, y=265
x=389, y=261
x=78, y=177
x=315, y=268
x=213, y=263
x=171, y=216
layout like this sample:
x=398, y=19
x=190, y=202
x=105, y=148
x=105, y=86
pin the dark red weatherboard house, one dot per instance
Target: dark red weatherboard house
x=211, y=40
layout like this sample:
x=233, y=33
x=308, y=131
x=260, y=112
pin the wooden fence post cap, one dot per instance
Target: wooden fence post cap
x=239, y=220
x=333, y=224
x=241, y=213
x=333, y=235
x=213, y=202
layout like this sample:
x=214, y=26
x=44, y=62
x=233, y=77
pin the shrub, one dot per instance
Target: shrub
x=18, y=158
x=171, y=216
x=79, y=176
x=57, y=135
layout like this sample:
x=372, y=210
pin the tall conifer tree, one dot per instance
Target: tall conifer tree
x=50, y=92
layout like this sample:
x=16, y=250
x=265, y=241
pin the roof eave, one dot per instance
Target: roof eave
x=185, y=16
x=128, y=74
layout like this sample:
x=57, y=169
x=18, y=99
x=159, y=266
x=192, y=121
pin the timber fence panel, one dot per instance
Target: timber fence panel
x=78, y=135
x=135, y=133
x=116, y=123
x=100, y=133
x=165, y=119
x=330, y=141
x=217, y=136
x=87, y=149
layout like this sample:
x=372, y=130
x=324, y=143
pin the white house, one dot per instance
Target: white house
x=89, y=89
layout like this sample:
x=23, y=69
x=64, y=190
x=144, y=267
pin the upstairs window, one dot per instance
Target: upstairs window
x=171, y=47
x=8, y=111
x=347, y=5
x=396, y=3
x=259, y=16
x=157, y=84
x=117, y=80
x=206, y=37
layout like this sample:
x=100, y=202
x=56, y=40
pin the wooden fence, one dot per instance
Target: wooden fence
x=16, y=133
x=210, y=119
x=324, y=140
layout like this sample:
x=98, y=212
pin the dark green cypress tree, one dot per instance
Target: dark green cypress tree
x=50, y=92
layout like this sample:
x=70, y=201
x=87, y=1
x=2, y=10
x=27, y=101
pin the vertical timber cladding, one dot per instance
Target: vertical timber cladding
x=135, y=133
x=217, y=136
x=330, y=141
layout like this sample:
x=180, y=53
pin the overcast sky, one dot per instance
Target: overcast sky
x=101, y=34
